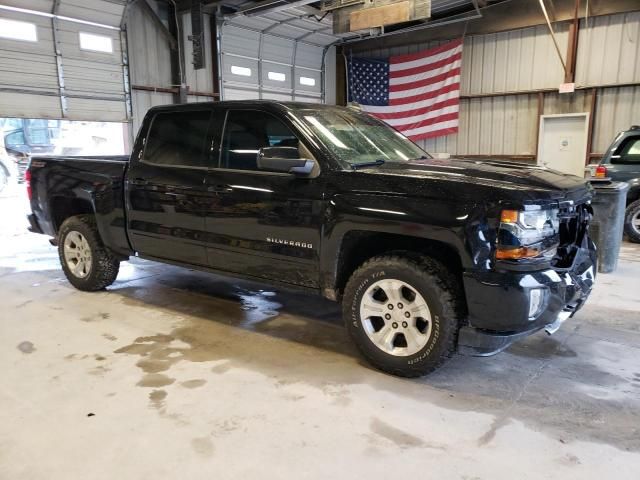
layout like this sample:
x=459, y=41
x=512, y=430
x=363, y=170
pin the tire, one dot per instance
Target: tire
x=632, y=221
x=420, y=344
x=86, y=263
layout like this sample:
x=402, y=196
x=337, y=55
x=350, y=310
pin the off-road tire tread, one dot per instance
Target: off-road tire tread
x=432, y=271
x=105, y=267
x=631, y=209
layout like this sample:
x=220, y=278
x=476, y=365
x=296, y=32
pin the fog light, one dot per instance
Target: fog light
x=536, y=302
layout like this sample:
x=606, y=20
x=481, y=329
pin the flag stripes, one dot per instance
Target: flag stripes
x=418, y=94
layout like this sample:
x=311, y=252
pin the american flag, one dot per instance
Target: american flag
x=417, y=94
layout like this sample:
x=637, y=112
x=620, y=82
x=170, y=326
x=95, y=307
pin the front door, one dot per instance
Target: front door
x=263, y=224
x=166, y=190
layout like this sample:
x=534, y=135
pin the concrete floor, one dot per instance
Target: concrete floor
x=177, y=374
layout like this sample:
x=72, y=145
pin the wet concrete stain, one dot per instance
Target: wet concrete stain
x=157, y=398
x=96, y=317
x=203, y=446
x=99, y=370
x=338, y=392
x=484, y=385
x=490, y=434
x=542, y=347
x=155, y=380
x=26, y=347
x=221, y=369
x=400, y=438
x=229, y=425
x=195, y=383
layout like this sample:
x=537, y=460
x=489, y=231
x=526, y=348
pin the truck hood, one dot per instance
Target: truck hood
x=510, y=179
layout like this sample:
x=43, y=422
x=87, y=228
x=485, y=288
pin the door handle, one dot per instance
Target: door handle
x=140, y=182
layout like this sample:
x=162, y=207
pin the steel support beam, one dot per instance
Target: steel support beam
x=572, y=48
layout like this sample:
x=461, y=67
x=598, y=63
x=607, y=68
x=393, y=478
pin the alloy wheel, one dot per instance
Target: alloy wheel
x=77, y=254
x=395, y=317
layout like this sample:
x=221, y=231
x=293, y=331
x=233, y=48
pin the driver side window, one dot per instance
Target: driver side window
x=246, y=132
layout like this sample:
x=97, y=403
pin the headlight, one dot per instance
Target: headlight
x=528, y=234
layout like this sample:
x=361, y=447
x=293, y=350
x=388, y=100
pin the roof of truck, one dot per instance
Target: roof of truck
x=245, y=103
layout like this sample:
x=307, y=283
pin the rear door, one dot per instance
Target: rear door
x=263, y=224
x=625, y=162
x=166, y=192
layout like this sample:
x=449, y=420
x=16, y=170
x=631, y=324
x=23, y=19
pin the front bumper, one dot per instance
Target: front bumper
x=498, y=302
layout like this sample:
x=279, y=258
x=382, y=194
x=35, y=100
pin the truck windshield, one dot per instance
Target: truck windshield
x=356, y=138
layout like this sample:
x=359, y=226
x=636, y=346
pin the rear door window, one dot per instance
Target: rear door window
x=180, y=139
x=629, y=153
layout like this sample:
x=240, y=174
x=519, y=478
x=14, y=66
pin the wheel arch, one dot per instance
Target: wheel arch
x=62, y=207
x=358, y=246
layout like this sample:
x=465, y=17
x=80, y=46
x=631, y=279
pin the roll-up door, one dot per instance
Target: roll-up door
x=53, y=67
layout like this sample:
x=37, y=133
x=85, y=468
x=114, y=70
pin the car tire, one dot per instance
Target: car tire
x=632, y=221
x=86, y=263
x=405, y=339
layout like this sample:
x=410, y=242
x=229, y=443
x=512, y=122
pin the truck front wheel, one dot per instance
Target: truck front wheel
x=401, y=313
x=86, y=263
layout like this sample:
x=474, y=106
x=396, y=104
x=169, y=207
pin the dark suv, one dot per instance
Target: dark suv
x=621, y=163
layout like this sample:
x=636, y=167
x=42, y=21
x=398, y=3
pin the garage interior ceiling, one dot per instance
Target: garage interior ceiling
x=300, y=20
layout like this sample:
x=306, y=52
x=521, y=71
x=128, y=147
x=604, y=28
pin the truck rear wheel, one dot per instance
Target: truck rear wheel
x=401, y=313
x=86, y=263
x=632, y=221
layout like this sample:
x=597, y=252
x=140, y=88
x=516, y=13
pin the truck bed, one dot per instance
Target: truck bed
x=59, y=183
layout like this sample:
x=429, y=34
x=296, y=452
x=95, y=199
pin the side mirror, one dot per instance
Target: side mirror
x=284, y=159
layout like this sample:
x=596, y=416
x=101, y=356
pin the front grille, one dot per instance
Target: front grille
x=574, y=223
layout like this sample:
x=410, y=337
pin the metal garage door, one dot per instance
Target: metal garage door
x=282, y=53
x=54, y=67
x=259, y=65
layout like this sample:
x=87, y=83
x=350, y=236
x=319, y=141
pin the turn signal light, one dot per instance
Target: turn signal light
x=509, y=216
x=516, y=253
x=601, y=171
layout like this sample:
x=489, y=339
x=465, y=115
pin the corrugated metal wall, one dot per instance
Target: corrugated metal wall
x=515, y=61
x=616, y=109
x=502, y=74
x=609, y=50
x=150, y=63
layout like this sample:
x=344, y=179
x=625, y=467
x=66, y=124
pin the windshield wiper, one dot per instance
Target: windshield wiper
x=375, y=163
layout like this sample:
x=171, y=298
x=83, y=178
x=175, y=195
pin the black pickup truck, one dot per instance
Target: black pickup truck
x=427, y=256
